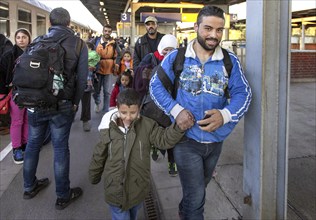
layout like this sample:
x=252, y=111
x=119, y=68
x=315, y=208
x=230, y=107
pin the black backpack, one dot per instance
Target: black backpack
x=178, y=67
x=38, y=73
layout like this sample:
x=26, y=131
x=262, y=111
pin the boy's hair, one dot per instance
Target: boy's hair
x=127, y=73
x=128, y=97
x=59, y=16
x=209, y=10
x=90, y=45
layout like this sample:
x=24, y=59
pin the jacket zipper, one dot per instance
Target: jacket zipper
x=140, y=150
x=110, y=150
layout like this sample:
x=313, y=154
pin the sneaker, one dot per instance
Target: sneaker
x=40, y=184
x=63, y=203
x=18, y=156
x=172, y=169
x=97, y=108
x=86, y=126
x=154, y=154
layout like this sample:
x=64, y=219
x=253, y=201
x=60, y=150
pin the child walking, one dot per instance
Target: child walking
x=126, y=62
x=125, y=80
x=93, y=59
x=123, y=154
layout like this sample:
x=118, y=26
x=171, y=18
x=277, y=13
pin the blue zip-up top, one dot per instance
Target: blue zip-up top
x=201, y=88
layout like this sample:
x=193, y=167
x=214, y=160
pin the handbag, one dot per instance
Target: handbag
x=5, y=103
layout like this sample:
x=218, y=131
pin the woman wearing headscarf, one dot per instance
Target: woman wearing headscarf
x=143, y=74
x=19, y=125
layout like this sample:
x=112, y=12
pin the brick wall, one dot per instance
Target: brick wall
x=303, y=64
x=308, y=46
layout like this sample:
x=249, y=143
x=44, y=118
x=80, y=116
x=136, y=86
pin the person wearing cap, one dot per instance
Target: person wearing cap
x=147, y=43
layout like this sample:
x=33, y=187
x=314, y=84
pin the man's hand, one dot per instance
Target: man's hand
x=116, y=69
x=213, y=122
x=185, y=120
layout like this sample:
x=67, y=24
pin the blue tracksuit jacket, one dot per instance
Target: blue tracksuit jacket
x=201, y=88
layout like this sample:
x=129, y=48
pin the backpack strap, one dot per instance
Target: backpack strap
x=227, y=62
x=228, y=66
x=79, y=47
x=177, y=68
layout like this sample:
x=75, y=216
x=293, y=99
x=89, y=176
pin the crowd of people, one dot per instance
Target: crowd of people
x=140, y=116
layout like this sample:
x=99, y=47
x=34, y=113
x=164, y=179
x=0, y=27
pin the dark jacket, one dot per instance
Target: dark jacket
x=124, y=158
x=141, y=83
x=76, y=65
x=5, y=44
x=142, y=48
x=7, y=63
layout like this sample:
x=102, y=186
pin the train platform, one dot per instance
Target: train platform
x=224, y=198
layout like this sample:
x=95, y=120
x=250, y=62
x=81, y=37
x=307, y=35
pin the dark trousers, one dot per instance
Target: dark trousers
x=86, y=107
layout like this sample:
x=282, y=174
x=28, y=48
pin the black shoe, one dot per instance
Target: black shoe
x=154, y=154
x=40, y=184
x=63, y=203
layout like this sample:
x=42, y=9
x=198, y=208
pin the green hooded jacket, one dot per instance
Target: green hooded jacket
x=124, y=157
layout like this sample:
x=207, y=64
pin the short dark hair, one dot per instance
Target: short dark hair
x=107, y=26
x=210, y=10
x=90, y=45
x=59, y=16
x=128, y=97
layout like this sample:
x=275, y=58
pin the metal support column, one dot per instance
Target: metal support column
x=266, y=124
x=302, y=40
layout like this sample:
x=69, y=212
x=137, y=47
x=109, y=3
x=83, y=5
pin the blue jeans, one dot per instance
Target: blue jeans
x=119, y=214
x=105, y=81
x=196, y=163
x=59, y=122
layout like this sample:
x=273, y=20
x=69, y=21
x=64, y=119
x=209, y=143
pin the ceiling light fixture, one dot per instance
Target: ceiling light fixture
x=101, y=3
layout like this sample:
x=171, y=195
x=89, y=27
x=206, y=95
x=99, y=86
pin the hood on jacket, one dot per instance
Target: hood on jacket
x=111, y=115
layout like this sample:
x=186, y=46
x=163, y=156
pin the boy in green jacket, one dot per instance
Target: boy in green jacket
x=123, y=154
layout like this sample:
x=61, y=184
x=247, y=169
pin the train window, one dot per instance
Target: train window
x=24, y=19
x=41, y=24
x=4, y=19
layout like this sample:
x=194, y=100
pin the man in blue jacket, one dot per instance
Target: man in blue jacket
x=202, y=106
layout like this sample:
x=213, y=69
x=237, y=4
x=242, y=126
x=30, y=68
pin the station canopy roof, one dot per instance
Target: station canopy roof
x=114, y=8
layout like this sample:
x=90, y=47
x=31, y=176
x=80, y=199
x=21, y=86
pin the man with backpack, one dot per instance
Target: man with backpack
x=199, y=102
x=57, y=116
x=147, y=43
x=110, y=54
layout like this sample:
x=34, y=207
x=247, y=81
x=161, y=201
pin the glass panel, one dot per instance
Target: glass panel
x=41, y=25
x=4, y=19
x=24, y=15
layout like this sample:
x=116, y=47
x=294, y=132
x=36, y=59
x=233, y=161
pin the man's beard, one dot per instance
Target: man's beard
x=151, y=31
x=107, y=36
x=203, y=44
